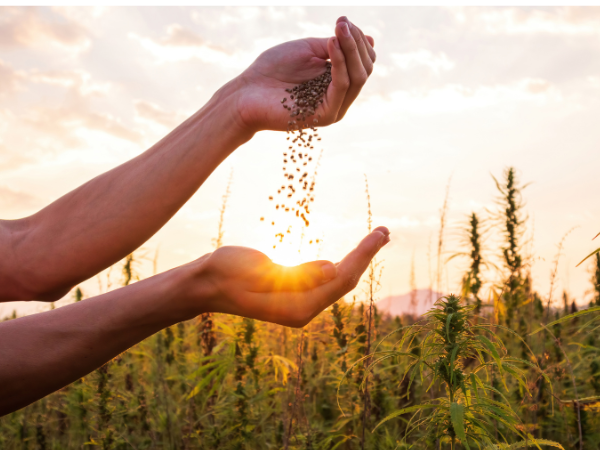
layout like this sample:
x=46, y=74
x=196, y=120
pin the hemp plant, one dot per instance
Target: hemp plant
x=472, y=237
x=512, y=220
x=463, y=415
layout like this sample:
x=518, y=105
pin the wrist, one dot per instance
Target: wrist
x=192, y=289
x=225, y=104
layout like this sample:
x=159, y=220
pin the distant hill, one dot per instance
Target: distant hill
x=417, y=302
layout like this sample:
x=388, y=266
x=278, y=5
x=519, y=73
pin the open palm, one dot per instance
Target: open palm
x=247, y=283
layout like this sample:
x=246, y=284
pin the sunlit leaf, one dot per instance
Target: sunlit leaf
x=569, y=317
x=404, y=411
x=457, y=414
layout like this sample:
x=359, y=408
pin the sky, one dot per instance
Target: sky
x=457, y=95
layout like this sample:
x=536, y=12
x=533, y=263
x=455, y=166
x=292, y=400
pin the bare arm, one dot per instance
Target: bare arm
x=44, y=352
x=97, y=224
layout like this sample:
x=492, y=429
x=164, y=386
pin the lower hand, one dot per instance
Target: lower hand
x=245, y=282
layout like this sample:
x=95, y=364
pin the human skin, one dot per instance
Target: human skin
x=97, y=224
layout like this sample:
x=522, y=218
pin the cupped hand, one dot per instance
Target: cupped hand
x=263, y=84
x=245, y=282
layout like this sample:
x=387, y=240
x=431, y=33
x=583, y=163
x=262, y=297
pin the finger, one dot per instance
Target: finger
x=367, y=54
x=369, y=42
x=357, y=261
x=356, y=70
x=349, y=271
x=277, y=278
x=340, y=81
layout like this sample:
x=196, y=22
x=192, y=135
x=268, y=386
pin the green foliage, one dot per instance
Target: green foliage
x=455, y=379
x=470, y=406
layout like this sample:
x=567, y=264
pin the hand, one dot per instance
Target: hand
x=245, y=282
x=263, y=84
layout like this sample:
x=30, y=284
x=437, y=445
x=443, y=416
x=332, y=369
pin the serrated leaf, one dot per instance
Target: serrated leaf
x=457, y=415
x=403, y=411
x=569, y=317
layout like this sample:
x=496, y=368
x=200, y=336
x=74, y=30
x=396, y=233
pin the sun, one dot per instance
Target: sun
x=295, y=248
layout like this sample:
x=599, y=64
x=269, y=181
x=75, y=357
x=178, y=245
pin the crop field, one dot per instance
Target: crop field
x=504, y=369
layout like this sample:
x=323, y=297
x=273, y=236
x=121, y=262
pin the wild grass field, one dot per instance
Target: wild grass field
x=500, y=367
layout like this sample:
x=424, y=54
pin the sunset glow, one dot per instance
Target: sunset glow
x=457, y=94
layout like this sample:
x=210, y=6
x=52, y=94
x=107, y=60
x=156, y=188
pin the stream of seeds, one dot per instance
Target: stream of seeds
x=296, y=193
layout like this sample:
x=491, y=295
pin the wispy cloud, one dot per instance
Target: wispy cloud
x=154, y=113
x=9, y=78
x=458, y=97
x=16, y=201
x=437, y=63
x=27, y=27
x=63, y=124
x=182, y=44
x=570, y=20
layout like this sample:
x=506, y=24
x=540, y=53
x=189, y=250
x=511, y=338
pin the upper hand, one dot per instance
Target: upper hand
x=262, y=86
x=245, y=282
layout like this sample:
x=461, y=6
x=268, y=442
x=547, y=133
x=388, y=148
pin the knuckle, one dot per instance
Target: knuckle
x=353, y=46
x=350, y=282
x=362, y=77
x=358, y=38
x=344, y=84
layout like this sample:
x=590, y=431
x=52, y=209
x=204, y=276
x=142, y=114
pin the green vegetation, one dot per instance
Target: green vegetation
x=472, y=373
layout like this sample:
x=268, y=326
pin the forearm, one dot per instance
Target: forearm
x=107, y=218
x=44, y=352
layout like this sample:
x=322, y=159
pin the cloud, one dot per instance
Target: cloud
x=423, y=58
x=452, y=98
x=17, y=200
x=181, y=44
x=79, y=80
x=64, y=123
x=570, y=20
x=594, y=81
x=150, y=111
x=85, y=15
x=178, y=36
x=9, y=79
x=240, y=14
x=11, y=159
x=26, y=27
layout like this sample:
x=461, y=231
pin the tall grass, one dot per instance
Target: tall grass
x=353, y=378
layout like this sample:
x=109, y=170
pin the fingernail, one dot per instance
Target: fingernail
x=336, y=43
x=384, y=240
x=329, y=272
x=345, y=29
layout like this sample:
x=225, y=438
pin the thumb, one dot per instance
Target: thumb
x=303, y=277
x=356, y=262
x=307, y=276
